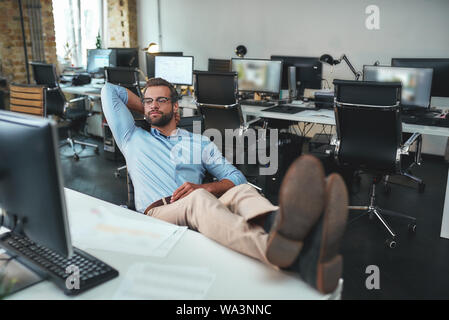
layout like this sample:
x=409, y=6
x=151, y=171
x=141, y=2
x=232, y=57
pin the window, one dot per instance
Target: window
x=77, y=25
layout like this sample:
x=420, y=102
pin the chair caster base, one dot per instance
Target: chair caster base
x=76, y=157
x=390, y=243
x=412, y=227
x=117, y=174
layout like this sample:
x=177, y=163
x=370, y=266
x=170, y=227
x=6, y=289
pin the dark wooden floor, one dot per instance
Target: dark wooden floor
x=416, y=269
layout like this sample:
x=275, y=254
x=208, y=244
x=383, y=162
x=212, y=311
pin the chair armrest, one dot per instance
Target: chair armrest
x=404, y=150
x=74, y=101
x=77, y=99
x=247, y=124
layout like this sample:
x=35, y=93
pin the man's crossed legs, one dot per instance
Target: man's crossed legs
x=305, y=236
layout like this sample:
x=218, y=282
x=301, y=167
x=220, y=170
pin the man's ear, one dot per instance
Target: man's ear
x=175, y=107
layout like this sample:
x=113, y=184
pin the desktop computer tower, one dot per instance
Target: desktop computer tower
x=111, y=150
x=289, y=149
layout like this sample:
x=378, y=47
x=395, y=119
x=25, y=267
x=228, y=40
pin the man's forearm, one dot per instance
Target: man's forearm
x=134, y=102
x=219, y=188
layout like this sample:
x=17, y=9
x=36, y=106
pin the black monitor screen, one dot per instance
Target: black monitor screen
x=150, y=60
x=309, y=71
x=216, y=87
x=31, y=186
x=440, y=80
x=258, y=75
x=127, y=57
x=97, y=59
x=121, y=75
x=219, y=65
x=416, y=83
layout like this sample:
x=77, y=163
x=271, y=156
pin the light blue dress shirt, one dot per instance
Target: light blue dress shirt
x=158, y=164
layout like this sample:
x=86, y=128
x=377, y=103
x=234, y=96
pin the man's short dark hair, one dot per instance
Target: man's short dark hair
x=157, y=82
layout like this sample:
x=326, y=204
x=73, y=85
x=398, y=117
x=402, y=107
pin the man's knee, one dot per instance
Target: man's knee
x=200, y=193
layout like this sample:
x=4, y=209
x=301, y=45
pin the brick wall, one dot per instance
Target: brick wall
x=122, y=23
x=12, y=58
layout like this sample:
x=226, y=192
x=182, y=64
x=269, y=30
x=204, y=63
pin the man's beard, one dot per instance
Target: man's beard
x=162, y=121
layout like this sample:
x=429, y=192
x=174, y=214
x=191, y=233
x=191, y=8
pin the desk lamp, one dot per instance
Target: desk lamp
x=152, y=48
x=241, y=51
x=326, y=58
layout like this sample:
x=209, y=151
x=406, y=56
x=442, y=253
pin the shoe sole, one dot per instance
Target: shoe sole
x=330, y=262
x=301, y=198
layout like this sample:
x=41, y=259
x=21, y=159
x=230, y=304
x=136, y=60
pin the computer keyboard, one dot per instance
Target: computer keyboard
x=259, y=103
x=286, y=108
x=426, y=119
x=46, y=262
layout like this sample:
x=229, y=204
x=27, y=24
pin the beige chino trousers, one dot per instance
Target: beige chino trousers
x=229, y=220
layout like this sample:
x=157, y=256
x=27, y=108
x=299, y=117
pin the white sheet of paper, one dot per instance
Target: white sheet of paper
x=168, y=244
x=157, y=281
x=113, y=233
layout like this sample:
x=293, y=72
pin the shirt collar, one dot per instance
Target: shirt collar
x=175, y=133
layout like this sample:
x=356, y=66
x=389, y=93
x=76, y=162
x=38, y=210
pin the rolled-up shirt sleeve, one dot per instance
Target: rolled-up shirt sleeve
x=219, y=166
x=114, y=99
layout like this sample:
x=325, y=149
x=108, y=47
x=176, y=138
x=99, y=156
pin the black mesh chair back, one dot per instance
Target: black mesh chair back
x=219, y=65
x=221, y=117
x=369, y=126
x=220, y=88
x=44, y=74
x=125, y=77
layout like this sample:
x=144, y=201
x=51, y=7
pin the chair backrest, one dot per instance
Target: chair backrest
x=28, y=99
x=44, y=74
x=219, y=65
x=220, y=88
x=221, y=117
x=369, y=126
x=125, y=77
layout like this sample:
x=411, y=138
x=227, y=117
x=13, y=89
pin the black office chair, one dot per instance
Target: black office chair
x=219, y=65
x=369, y=137
x=216, y=97
x=125, y=77
x=74, y=111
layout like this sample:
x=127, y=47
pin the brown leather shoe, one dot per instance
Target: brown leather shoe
x=319, y=262
x=301, y=203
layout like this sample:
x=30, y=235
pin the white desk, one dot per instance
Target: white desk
x=88, y=90
x=237, y=276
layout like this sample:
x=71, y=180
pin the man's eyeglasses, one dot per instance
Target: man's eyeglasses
x=160, y=101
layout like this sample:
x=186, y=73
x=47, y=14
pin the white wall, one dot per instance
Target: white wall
x=213, y=29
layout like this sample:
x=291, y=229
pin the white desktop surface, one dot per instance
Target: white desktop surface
x=237, y=276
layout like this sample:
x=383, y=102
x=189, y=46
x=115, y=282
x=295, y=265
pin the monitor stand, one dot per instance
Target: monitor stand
x=14, y=276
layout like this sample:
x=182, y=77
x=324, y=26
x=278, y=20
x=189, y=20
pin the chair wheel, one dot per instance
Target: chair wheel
x=412, y=227
x=117, y=174
x=390, y=243
x=97, y=151
x=76, y=157
x=421, y=187
x=387, y=189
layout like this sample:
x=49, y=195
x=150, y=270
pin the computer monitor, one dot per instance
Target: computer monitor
x=219, y=65
x=258, y=75
x=440, y=79
x=127, y=57
x=416, y=83
x=31, y=186
x=176, y=70
x=309, y=71
x=150, y=57
x=216, y=87
x=97, y=59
